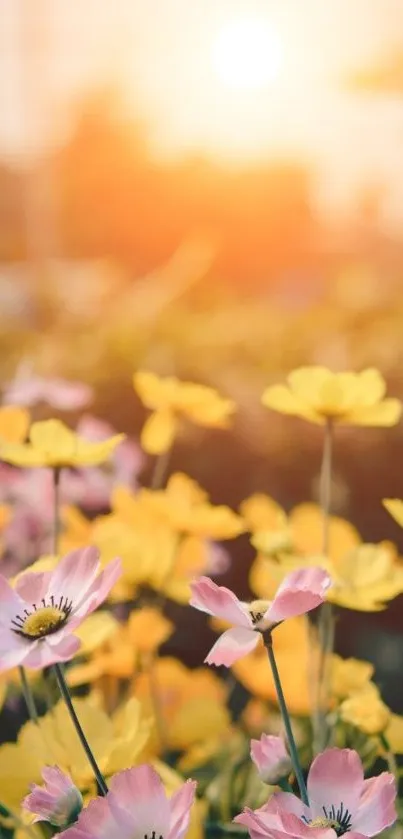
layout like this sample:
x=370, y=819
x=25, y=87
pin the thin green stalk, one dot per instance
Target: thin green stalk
x=326, y=625
x=389, y=756
x=28, y=695
x=84, y=742
x=286, y=720
x=56, y=509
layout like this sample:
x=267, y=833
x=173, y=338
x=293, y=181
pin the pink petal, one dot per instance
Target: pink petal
x=180, y=806
x=74, y=575
x=95, y=821
x=11, y=604
x=219, y=601
x=271, y=758
x=377, y=809
x=231, y=645
x=286, y=802
x=99, y=589
x=41, y=654
x=32, y=586
x=280, y=825
x=13, y=650
x=141, y=793
x=57, y=782
x=301, y=591
x=336, y=777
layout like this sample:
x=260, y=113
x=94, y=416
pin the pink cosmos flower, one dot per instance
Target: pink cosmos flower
x=300, y=591
x=136, y=806
x=58, y=801
x=271, y=758
x=341, y=802
x=38, y=616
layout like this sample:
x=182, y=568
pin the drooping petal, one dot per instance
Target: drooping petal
x=271, y=758
x=180, y=806
x=302, y=590
x=336, y=778
x=42, y=654
x=159, y=432
x=231, y=645
x=219, y=601
x=140, y=792
x=377, y=807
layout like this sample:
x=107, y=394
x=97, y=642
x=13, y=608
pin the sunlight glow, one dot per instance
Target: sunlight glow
x=247, y=54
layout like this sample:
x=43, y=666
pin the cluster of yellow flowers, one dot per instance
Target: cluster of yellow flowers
x=138, y=704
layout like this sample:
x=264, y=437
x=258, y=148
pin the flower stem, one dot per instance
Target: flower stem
x=160, y=470
x=286, y=720
x=84, y=742
x=28, y=695
x=56, y=509
x=389, y=756
x=326, y=616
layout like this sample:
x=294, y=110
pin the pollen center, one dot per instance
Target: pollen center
x=257, y=609
x=324, y=823
x=43, y=620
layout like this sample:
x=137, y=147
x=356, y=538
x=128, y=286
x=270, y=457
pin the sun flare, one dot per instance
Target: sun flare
x=247, y=54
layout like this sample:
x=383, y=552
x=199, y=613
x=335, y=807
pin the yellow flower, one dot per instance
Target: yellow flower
x=183, y=696
x=367, y=577
x=318, y=395
x=77, y=529
x=366, y=711
x=14, y=424
x=186, y=507
x=394, y=733
x=349, y=675
x=394, y=506
x=117, y=743
x=124, y=646
x=51, y=443
x=292, y=653
x=170, y=399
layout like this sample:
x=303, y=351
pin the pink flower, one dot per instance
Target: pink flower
x=58, y=801
x=37, y=618
x=136, y=805
x=301, y=591
x=340, y=802
x=271, y=758
x=28, y=390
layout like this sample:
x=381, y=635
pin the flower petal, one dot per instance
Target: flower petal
x=302, y=590
x=336, y=777
x=377, y=808
x=32, y=586
x=386, y=414
x=10, y=603
x=41, y=654
x=219, y=601
x=74, y=575
x=159, y=431
x=99, y=589
x=141, y=793
x=231, y=645
x=280, y=398
x=180, y=806
x=13, y=650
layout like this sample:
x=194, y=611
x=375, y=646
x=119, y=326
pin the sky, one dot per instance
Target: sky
x=160, y=53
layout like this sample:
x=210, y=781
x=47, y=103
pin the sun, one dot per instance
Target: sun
x=247, y=54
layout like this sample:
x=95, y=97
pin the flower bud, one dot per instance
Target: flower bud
x=271, y=758
x=58, y=801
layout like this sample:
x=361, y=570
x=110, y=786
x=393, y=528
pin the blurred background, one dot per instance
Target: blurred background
x=212, y=189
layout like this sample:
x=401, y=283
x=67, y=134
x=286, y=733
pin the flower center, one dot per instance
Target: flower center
x=257, y=609
x=42, y=620
x=152, y=836
x=339, y=820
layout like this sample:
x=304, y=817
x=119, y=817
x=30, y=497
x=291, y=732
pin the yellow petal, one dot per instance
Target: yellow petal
x=307, y=383
x=261, y=512
x=21, y=455
x=279, y=398
x=156, y=392
x=385, y=414
x=158, y=432
x=53, y=439
x=92, y=454
x=14, y=423
x=394, y=506
x=371, y=386
x=95, y=630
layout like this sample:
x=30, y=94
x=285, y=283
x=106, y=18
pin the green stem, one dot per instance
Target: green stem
x=28, y=695
x=390, y=758
x=286, y=720
x=326, y=616
x=84, y=742
x=56, y=509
